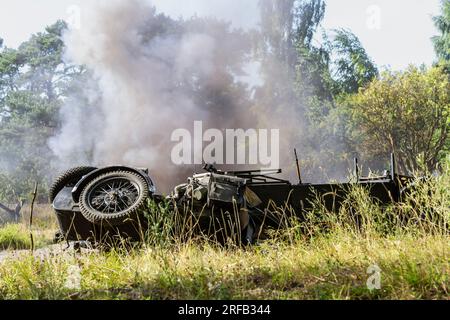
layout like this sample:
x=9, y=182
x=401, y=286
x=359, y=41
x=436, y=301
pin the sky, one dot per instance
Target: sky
x=395, y=33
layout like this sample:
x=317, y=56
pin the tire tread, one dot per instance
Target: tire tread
x=118, y=218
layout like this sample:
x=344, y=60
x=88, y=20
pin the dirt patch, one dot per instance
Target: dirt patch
x=43, y=253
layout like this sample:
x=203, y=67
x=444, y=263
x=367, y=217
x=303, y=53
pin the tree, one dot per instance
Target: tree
x=352, y=67
x=291, y=66
x=33, y=79
x=312, y=62
x=442, y=41
x=287, y=63
x=287, y=28
x=286, y=52
x=406, y=113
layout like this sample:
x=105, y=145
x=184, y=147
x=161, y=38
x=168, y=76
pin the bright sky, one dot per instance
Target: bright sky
x=395, y=33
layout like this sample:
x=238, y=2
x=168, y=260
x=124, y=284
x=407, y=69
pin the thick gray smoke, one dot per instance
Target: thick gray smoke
x=152, y=75
x=140, y=89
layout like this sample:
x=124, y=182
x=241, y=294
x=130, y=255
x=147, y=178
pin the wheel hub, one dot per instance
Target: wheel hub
x=114, y=195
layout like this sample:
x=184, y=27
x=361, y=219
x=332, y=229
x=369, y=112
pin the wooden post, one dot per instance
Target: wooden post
x=299, y=174
x=31, y=216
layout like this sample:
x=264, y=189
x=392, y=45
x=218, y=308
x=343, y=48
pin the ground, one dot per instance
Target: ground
x=341, y=264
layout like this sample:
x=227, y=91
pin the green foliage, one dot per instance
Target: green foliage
x=287, y=25
x=406, y=113
x=317, y=83
x=33, y=79
x=325, y=257
x=295, y=71
x=313, y=82
x=287, y=30
x=333, y=268
x=353, y=68
x=161, y=224
x=320, y=84
x=14, y=237
x=442, y=41
x=308, y=14
x=311, y=65
x=349, y=107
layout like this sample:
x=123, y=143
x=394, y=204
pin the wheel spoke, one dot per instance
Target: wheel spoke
x=114, y=195
x=126, y=204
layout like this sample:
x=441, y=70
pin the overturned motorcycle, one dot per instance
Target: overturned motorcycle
x=100, y=204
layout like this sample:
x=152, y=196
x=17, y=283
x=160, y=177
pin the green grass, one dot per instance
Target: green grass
x=325, y=257
x=14, y=237
x=328, y=268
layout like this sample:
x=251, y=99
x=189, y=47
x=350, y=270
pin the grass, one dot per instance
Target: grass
x=328, y=268
x=328, y=256
x=14, y=237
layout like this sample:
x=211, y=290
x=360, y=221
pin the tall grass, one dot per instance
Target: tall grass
x=423, y=211
x=168, y=224
x=326, y=255
x=325, y=268
x=14, y=237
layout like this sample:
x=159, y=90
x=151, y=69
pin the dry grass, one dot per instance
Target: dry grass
x=334, y=268
x=325, y=257
x=16, y=236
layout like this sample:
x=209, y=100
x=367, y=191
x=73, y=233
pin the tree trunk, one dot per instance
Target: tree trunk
x=13, y=213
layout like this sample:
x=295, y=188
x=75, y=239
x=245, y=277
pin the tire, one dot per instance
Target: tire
x=68, y=178
x=114, y=198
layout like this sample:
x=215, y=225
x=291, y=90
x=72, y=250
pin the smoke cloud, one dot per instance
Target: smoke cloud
x=149, y=74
